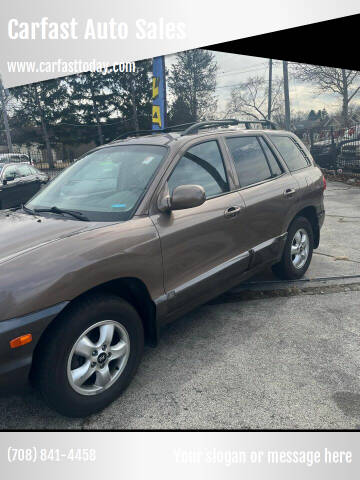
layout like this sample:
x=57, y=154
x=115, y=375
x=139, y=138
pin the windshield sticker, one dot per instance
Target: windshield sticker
x=147, y=160
x=119, y=205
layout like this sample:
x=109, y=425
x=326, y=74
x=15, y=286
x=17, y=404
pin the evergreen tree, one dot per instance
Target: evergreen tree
x=131, y=96
x=90, y=99
x=192, y=83
x=312, y=115
x=179, y=113
x=40, y=105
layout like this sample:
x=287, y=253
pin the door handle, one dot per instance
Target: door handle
x=289, y=192
x=232, y=211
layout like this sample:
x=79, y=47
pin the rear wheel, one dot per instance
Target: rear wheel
x=90, y=355
x=297, y=252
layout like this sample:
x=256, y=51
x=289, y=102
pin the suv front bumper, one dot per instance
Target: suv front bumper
x=15, y=364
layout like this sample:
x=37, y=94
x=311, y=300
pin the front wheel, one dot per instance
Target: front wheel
x=297, y=252
x=90, y=355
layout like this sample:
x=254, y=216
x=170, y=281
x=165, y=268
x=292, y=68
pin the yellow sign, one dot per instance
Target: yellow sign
x=156, y=117
x=155, y=87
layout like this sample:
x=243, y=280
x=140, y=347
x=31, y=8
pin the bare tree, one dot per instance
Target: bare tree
x=345, y=83
x=250, y=99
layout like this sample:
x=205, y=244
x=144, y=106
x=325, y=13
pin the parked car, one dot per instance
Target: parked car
x=137, y=233
x=349, y=158
x=334, y=153
x=324, y=153
x=18, y=183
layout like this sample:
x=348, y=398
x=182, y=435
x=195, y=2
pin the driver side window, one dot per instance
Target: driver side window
x=11, y=173
x=201, y=165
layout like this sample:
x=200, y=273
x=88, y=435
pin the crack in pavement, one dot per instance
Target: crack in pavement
x=343, y=258
x=245, y=295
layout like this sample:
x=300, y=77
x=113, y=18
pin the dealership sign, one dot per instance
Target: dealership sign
x=158, y=94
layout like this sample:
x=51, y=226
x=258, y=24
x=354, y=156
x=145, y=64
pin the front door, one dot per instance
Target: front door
x=202, y=247
x=13, y=190
x=30, y=184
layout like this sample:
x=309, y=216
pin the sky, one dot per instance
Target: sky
x=234, y=69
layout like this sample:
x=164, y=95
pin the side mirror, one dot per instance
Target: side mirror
x=184, y=196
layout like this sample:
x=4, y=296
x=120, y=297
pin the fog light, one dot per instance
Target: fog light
x=20, y=341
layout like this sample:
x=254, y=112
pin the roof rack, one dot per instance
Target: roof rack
x=137, y=133
x=194, y=128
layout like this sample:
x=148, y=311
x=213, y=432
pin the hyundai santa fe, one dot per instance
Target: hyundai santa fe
x=135, y=234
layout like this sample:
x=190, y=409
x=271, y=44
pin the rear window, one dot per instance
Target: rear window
x=293, y=156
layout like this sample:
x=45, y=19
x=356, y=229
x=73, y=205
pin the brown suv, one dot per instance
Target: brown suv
x=137, y=233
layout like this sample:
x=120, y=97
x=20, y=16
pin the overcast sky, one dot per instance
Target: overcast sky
x=234, y=69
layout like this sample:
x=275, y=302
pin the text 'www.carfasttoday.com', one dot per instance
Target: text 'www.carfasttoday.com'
x=63, y=67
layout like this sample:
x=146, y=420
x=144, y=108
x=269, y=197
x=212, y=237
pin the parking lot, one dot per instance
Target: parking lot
x=266, y=355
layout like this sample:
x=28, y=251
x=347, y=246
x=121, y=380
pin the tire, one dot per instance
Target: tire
x=57, y=361
x=286, y=268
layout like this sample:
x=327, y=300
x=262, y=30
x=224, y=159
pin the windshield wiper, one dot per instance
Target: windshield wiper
x=60, y=211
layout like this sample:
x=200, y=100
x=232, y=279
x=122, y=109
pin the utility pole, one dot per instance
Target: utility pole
x=270, y=89
x=5, y=117
x=286, y=95
x=345, y=109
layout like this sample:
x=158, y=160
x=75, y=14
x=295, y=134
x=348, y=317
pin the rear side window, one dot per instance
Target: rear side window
x=34, y=171
x=250, y=162
x=201, y=165
x=293, y=156
x=24, y=171
x=276, y=169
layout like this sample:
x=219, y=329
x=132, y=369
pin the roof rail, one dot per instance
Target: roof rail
x=136, y=133
x=230, y=121
x=194, y=127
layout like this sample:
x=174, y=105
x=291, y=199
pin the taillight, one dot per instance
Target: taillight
x=324, y=183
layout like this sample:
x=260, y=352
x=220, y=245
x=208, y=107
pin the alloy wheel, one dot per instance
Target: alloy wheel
x=300, y=248
x=98, y=357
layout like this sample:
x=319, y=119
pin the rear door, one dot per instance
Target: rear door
x=269, y=193
x=203, y=248
x=298, y=162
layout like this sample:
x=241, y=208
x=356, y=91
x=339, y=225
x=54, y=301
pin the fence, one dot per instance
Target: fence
x=332, y=149
x=39, y=159
x=337, y=149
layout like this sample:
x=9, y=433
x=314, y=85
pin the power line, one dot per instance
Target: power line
x=235, y=84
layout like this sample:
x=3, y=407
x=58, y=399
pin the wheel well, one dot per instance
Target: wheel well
x=133, y=291
x=310, y=214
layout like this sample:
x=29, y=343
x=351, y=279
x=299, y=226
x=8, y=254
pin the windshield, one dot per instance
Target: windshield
x=105, y=185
